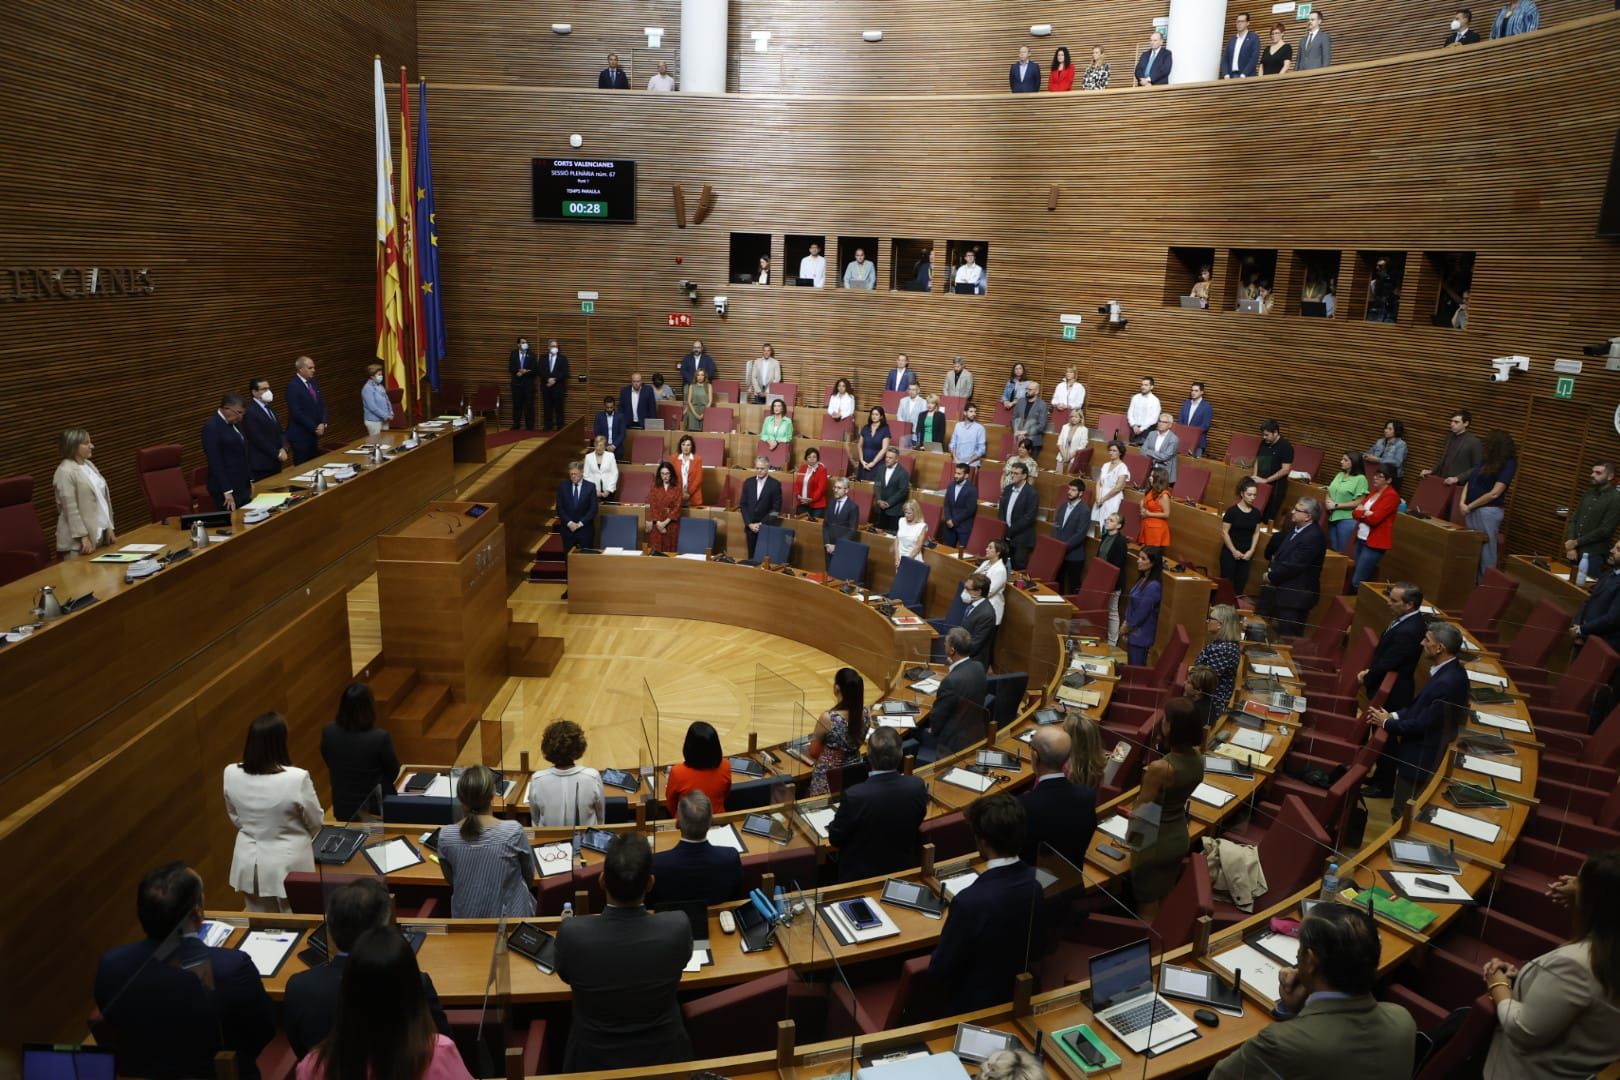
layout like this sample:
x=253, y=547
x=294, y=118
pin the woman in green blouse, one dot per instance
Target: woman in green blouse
x=778, y=427
x=699, y=395
x=1346, y=489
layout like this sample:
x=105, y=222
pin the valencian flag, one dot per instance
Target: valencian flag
x=427, y=253
x=410, y=285
x=390, y=346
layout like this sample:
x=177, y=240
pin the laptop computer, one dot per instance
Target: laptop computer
x=1313, y=309
x=805, y=282
x=1251, y=306
x=696, y=912
x=653, y=423
x=1191, y=301
x=1125, y=1002
x=964, y=288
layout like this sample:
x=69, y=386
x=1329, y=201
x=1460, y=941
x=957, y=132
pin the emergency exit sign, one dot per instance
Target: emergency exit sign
x=1069, y=333
x=680, y=319
x=1565, y=387
x=587, y=307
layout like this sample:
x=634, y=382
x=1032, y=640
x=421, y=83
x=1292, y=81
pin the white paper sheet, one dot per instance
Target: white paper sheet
x=1251, y=740
x=1116, y=827
x=820, y=819
x=396, y=854
x=1485, y=678
x=1486, y=767
x=1280, y=671
x=554, y=859
x=1506, y=723
x=726, y=836
x=1409, y=885
x=926, y=686
x=1214, y=796
x=1280, y=945
x=144, y=549
x=970, y=780
x=1466, y=824
x=1259, y=970
x=954, y=885
x=1048, y=598
x=267, y=948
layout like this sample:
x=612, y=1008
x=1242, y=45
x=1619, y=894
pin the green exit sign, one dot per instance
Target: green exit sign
x=1565, y=387
x=1069, y=333
x=584, y=208
x=587, y=307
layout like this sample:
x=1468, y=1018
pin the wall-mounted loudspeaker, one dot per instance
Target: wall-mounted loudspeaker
x=680, y=206
x=705, y=204
x=1052, y=197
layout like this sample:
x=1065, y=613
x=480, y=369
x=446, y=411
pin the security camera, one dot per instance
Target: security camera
x=1114, y=313
x=690, y=289
x=1504, y=366
x=720, y=306
x=1610, y=349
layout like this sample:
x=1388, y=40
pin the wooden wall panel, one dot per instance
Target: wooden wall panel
x=1418, y=156
x=228, y=148
x=817, y=48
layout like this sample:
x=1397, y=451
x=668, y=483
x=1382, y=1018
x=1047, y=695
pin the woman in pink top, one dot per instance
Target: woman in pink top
x=383, y=1030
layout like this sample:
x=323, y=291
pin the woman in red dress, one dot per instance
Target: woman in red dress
x=1062, y=77
x=689, y=470
x=664, y=509
x=1155, y=531
x=811, y=485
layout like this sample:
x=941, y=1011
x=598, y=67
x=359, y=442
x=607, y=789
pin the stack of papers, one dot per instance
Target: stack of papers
x=1466, y=824
x=621, y=551
x=1093, y=665
x=1049, y=598
x=926, y=686
x=1259, y=970
x=820, y=819
x=1251, y=758
x=1251, y=740
x=1214, y=796
x=970, y=780
x=1486, y=767
x=1485, y=678
x=1506, y=723
x=1281, y=671
x=143, y=549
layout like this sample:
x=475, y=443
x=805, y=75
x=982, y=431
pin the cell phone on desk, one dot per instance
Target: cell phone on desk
x=861, y=914
x=1110, y=851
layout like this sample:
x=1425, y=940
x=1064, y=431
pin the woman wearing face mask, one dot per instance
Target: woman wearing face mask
x=374, y=401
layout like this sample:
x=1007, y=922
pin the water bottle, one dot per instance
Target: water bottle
x=1330, y=883
x=568, y=910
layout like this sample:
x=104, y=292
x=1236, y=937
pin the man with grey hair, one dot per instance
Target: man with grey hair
x=957, y=719
x=576, y=509
x=843, y=520
x=761, y=501
x=1420, y=732
x=876, y=827
x=890, y=491
x=1294, y=577
x=695, y=869
x=1060, y=814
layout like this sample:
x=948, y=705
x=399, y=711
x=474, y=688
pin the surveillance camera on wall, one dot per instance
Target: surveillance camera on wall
x=720, y=306
x=1609, y=349
x=1505, y=366
x=1113, y=312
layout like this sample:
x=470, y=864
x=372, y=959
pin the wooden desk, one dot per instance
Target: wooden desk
x=1439, y=557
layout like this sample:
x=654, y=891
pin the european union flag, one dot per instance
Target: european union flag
x=427, y=231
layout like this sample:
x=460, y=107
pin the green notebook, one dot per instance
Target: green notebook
x=1398, y=908
x=1081, y=1031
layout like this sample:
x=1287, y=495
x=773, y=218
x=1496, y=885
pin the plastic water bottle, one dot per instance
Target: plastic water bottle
x=1330, y=883
x=568, y=910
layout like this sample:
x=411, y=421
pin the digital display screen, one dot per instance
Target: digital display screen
x=584, y=189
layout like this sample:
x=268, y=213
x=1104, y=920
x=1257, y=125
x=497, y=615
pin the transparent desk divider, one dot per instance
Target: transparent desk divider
x=824, y=1007
x=495, y=744
x=651, y=735
x=497, y=997
x=777, y=701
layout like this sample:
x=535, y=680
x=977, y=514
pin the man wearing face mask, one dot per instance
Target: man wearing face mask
x=375, y=407
x=553, y=387
x=521, y=366
x=266, y=445
x=1462, y=30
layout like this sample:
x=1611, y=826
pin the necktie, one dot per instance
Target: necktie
x=839, y=509
x=576, y=493
x=309, y=384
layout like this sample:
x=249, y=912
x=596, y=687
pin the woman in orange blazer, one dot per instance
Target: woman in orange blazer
x=689, y=470
x=1155, y=530
x=703, y=768
x=1375, y=524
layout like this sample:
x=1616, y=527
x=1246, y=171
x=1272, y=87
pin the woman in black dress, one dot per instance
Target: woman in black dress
x=874, y=440
x=359, y=755
x=1240, y=527
x=1278, y=57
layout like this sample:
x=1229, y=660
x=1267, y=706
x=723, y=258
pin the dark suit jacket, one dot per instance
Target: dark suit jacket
x=1161, y=67
x=689, y=369
x=1021, y=529
x=756, y=507
x=611, y=428
x=899, y=380
x=1074, y=531
x=987, y=937
x=262, y=430
x=226, y=449
x=311, y=1000
x=357, y=761
x=1420, y=729
x=962, y=508
x=648, y=406
x=1030, y=83
x=583, y=510
x=1248, y=57
x=1468, y=38
x=877, y=825
x=1599, y=615
x=1296, y=560
x=953, y=727
x=624, y=968
x=696, y=871
x=1061, y=814
x=304, y=415
x=531, y=364
x=980, y=621
x=894, y=492
x=613, y=79
x=840, y=526
x=560, y=373
x=164, y=1021
x=1399, y=650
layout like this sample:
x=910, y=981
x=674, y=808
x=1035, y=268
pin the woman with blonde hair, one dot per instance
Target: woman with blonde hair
x=912, y=531
x=84, y=518
x=1087, y=758
x=376, y=408
x=1070, y=393
x=1222, y=651
x=1072, y=438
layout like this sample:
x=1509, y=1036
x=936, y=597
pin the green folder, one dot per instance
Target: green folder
x=1110, y=1059
x=1398, y=908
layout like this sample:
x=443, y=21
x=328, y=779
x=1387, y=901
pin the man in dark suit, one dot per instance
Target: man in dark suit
x=1294, y=578
x=1462, y=30
x=1599, y=614
x=230, y=482
x=624, y=970
x=1153, y=66
x=1241, y=57
x=522, y=366
x=961, y=506
x=1019, y=505
x=312, y=996
x=1061, y=815
x=901, y=378
x=697, y=358
x=957, y=719
x=1072, y=525
x=266, y=445
x=695, y=869
x=613, y=76
x=995, y=924
x=1399, y=649
x=1419, y=733
x=553, y=386
x=890, y=491
x=761, y=500
x=979, y=619
x=610, y=424
x=878, y=822
x=1024, y=77
x=1315, y=48
x=576, y=509
x=843, y=520
x=637, y=403
x=306, y=411
x=152, y=994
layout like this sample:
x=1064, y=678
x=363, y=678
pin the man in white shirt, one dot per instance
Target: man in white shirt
x=663, y=82
x=1241, y=58
x=911, y=407
x=860, y=274
x=970, y=272
x=814, y=266
x=762, y=372
x=1143, y=412
x=959, y=380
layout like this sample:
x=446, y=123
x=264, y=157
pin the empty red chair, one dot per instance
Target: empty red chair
x=836, y=461
x=837, y=430
x=789, y=392
x=1080, y=464
x=673, y=416
x=396, y=398
x=1324, y=649
x=740, y=1019
x=1335, y=690
x=1046, y=560
x=1487, y=602
x=952, y=405
x=900, y=432
x=932, y=513
x=1006, y=446
x=778, y=457
x=947, y=473
x=862, y=498
x=1526, y=657
x=1111, y=426
x=1096, y=586
x=164, y=485
x=712, y=449
x=646, y=448
x=1565, y=703
x=451, y=397
x=198, y=481
x=1292, y=851
x=1307, y=459
x=634, y=487
x=719, y=418
x=1241, y=450
x=1191, y=483
x=1262, y=497
x=1130, y=516
x=23, y=547
x=1157, y=675
x=486, y=400
x=1003, y=414
x=726, y=389
x=890, y=401
x=1129, y=772
x=1138, y=466
x=1433, y=496
x=1175, y=925
x=985, y=529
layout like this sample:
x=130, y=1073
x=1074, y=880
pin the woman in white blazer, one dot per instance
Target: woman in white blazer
x=273, y=806
x=601, y=469
x=996, y=562
x=84, y=518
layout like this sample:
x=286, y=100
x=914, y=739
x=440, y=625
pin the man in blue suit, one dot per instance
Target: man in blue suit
x=695, y=869
x=1293, y=581
x=609, y=424
x=612, y=77
x=1599, y=614
x=961, y=506
x=1024, y=77
x=576, y=509
x=1419, y=732
x=267, y=446
x=761, y=500
x=877, y=827
x=1153, y=66
x=995, y=925
x=1019, y=507
x=692, y=361
x=902, y=378
x=1061, y=815
x=306, y=411
x=1241, y=57
x=230, y=483
x=637, y=402
x=153, y=994
x=1071, y=523
x=1196, y=412
x=843, y=520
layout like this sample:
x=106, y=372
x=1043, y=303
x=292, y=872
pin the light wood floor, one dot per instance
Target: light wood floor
x=634, y=684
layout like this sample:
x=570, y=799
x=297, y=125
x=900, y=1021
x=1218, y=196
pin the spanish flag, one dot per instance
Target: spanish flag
x=390, y=331
x=409, y=276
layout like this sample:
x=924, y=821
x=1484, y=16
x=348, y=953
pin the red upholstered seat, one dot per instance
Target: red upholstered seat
x=162, y=482
x=23, y=547
x=199, y=489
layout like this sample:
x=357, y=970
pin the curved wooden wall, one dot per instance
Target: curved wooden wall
x=817, y=48
x=1448, y=154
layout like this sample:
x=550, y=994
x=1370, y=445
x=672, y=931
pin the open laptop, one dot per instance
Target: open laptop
x=805, y=282
x=653, y=423
x=1251, y=306
x=1191, y=301
x=696, y=912
x=1125, y=1002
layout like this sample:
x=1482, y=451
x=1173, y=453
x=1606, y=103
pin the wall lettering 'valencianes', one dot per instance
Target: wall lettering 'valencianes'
x=73, y=282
